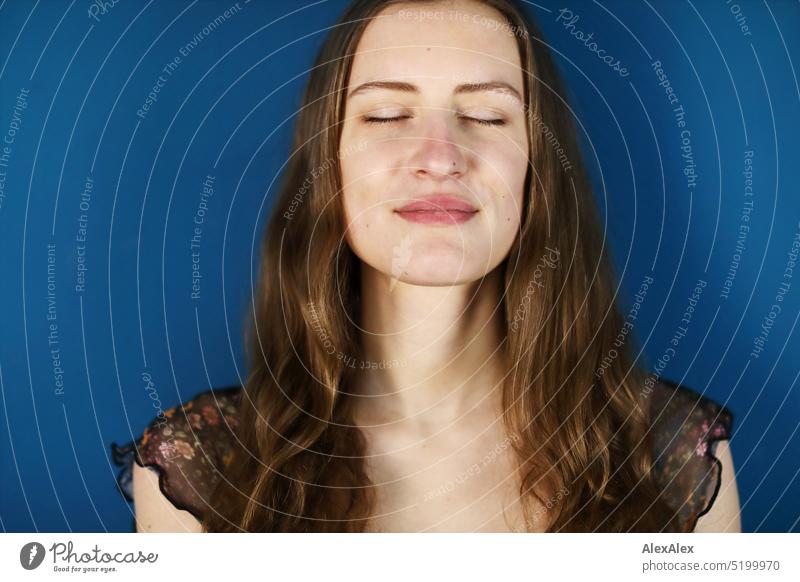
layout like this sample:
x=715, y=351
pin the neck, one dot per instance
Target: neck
x=438, y=350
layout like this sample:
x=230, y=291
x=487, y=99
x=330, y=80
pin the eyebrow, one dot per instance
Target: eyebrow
x=492, y=86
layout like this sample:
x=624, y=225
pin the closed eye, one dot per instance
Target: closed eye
x=385, y=119
x=473, y=119
x=485, y=121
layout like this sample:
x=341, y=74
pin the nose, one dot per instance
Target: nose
x=437, y=153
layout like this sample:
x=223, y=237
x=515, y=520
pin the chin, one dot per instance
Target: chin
x=435, y=272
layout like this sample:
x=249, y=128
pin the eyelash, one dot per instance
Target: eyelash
x=378, y=120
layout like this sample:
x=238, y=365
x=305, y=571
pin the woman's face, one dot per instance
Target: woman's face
x=448, y=121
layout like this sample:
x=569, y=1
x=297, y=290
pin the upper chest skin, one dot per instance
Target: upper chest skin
x=453, y=481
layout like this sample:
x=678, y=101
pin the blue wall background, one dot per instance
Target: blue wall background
x=226, y=110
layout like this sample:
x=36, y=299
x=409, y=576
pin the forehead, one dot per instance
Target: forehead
x=445, y=42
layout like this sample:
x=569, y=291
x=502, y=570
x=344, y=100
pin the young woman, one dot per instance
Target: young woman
x=432, y=331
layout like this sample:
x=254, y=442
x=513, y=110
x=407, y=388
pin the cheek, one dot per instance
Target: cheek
x=364, y=202
x=360, y=188
x=507, y=169
x=361, y=156
x=368, y=174
x=364, y=169
x=359, y=217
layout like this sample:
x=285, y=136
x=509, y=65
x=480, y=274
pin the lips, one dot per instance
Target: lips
x=437, y=209
x=438, y=203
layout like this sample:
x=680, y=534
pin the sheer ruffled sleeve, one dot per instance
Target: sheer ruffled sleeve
x=685, y=425
x=188, y=446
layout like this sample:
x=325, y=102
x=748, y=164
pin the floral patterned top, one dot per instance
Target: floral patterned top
x=190, y=444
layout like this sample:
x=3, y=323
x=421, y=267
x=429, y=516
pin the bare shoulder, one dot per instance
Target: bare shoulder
x=154, y=512
x=180, y=459
x=724, y=515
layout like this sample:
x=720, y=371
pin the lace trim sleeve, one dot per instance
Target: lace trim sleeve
x=188, y=446
x=686, y=425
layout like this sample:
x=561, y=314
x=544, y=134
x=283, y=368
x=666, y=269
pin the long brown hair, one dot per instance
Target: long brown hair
x=299, y=465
